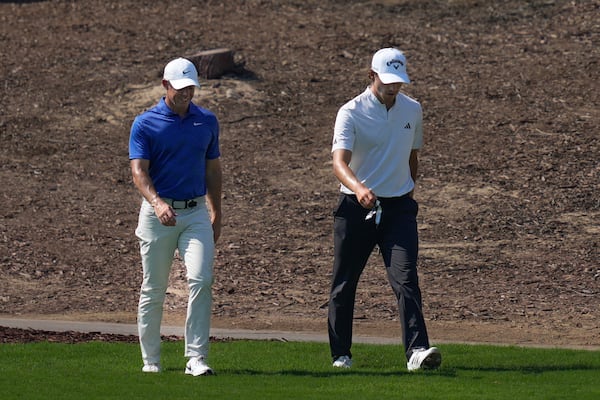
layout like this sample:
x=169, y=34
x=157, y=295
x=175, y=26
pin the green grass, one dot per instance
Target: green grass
x=280, y=370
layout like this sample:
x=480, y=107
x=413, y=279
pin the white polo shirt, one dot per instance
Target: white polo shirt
x=380, y=141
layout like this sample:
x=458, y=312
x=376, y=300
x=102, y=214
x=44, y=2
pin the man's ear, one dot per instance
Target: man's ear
x=165, y=84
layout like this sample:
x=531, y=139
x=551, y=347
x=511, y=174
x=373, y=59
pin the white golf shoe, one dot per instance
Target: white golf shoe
x=196, y=366
x=151, y=367
x=430, y=358
x=342, y=362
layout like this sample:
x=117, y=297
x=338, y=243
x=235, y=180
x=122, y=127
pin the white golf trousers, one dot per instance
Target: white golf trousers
x=193, y=237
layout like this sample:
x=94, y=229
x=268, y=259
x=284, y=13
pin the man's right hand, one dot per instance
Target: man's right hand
x=366, y=197
x=165, y=213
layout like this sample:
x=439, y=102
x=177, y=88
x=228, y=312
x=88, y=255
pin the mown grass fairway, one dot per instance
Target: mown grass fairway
x=280, y=370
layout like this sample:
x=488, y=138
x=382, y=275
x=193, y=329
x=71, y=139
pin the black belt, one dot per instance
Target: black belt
x=182, y=204
x=383, y=200
x=392, y=200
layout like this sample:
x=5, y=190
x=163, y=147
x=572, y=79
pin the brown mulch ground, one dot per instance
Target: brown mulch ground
x=15, y=335
x=509, y=175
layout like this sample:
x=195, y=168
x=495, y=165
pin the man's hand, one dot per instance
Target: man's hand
x=366, y=197
x=165, y=213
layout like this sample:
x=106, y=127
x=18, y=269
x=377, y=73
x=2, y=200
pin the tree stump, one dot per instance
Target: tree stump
x=212, y=64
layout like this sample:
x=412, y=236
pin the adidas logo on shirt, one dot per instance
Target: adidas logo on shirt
x=407, y=126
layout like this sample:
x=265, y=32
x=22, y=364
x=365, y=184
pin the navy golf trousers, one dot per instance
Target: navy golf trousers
x=354, y=240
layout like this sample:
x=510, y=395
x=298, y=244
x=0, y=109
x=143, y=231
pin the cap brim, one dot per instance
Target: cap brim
x=182, y=83
x=393, y=78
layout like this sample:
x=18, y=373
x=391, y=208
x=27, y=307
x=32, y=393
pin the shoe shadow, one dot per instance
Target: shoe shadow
x=336, y=372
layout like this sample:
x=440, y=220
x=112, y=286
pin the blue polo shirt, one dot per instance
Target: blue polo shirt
x=176, y=147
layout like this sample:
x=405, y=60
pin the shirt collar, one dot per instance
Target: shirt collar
x=372, y=98
x=164, y=109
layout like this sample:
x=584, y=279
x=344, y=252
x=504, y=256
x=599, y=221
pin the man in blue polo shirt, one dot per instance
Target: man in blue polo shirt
x=376, y=139
x=174, y=156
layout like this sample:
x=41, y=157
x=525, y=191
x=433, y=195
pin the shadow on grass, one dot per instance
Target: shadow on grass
x=448, y=372
x=532, y=369
x=328, y=374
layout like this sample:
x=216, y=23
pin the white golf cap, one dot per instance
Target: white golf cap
x=181, y=73
x=390, y=66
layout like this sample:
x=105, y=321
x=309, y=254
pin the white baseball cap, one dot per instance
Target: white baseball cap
x=181, y=73
x=390, y=66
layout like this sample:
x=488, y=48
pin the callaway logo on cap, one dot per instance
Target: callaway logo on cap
x=390, y=66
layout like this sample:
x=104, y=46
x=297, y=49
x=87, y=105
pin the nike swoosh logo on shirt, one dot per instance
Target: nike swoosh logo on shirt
x=197, y=123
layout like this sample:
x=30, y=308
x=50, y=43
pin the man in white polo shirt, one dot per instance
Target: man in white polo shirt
x=376, y=139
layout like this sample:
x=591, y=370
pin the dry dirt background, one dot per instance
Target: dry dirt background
x=509, y=175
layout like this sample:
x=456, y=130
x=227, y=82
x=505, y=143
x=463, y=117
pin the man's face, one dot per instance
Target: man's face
x=385, y=93
x=179, y=98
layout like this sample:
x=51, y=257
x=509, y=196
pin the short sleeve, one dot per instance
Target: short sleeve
x=213, y=150
x=418, y=138
x=139, y=147
x=343, y=132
